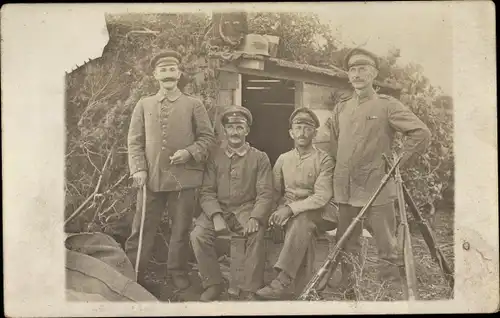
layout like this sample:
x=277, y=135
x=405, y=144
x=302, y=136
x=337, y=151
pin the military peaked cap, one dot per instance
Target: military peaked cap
x=304, y=115
x=236, y=114
x=366, y=58
x=168, y=56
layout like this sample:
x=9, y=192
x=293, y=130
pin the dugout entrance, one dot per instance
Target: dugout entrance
x=271, y=102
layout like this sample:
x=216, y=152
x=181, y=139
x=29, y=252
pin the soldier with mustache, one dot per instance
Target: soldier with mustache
x=237, y=196
x=362, y=130
x=302, y=181
x=169, y=139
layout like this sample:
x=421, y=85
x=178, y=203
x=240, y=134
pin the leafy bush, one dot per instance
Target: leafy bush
x=429, y=175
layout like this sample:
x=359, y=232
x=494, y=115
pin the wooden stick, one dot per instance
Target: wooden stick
x=141, y=231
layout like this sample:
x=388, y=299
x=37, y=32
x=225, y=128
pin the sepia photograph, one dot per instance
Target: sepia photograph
x=250, y=154
x=239, y=156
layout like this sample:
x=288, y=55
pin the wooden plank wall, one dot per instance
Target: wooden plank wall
x=319, y=99
x=229, y=94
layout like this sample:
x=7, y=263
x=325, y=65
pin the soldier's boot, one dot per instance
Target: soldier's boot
x=346, y=286
x=248, y=296
x=181, y=280
x=389, y=268
x=152, y=287
x=212, y=293
x=347, y=291
x=279, y=288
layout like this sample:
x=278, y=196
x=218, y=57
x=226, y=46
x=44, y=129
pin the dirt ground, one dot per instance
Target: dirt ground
x=431, y=282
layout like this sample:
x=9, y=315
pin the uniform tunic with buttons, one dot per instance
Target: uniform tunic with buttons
x=237, y=184
x=304, y=182
x=362, y=130
x=240, y=184
x=161, y=125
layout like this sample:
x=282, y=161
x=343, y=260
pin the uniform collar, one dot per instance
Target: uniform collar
x=365, y=95
x=240, y=151
x=307, y=154
x=171, y=96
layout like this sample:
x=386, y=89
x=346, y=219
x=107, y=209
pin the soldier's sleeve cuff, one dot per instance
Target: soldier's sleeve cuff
x=195, y=153
x=136, y=169
x=260, y=218
x=210, y=208
x=294, y=208
x=214, y=213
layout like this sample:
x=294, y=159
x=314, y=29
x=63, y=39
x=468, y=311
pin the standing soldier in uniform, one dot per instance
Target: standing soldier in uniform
x=169, y=138
x=236, y=195
x=362, y=130
x=302, y=191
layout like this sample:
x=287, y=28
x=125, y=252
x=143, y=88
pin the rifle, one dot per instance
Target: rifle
x=332, y=256
x=410, y=291
x=429, y=238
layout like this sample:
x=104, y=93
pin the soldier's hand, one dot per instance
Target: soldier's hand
x=252, y=226
x=219, y=223
x=180, y=157
x=281, y=216
x=140, y=178
x=271, y=219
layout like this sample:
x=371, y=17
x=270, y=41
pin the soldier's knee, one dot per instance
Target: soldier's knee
x=302, y=223
x=199, y=235
x=256, y=237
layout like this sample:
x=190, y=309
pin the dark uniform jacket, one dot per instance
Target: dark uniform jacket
x=362, y=130
x=241, y=184
x=160, y=126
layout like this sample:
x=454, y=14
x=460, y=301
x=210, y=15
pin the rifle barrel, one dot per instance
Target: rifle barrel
x=334, y=253
x=429, y=239
x=411, y=278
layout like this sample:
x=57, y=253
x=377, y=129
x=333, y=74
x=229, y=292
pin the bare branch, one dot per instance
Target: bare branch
x=92, y=196
x=70, y=153
x=116, y=184
x=92, y=163
x=94, y=99
x=74, y=187
x=97, y=214
x=435, y=168
x=145, y=31
x=111, y=75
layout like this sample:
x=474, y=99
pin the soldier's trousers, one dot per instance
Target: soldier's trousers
x=180, y=207
x=203, y=241
x=381, y=220
x=297, y=255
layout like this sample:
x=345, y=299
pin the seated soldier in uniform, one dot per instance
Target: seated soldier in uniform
x=236, y=196
x=303, y=182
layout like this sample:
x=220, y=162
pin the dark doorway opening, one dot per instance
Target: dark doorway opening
x=271, y=102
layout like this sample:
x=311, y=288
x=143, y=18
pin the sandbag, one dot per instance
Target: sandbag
x=97, y=269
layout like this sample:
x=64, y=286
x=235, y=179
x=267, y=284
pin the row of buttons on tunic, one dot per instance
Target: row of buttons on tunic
x=234, y=173
x=164, y=117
